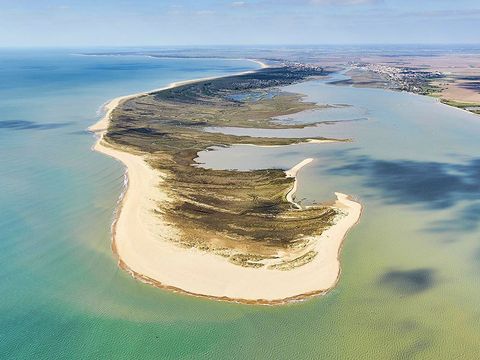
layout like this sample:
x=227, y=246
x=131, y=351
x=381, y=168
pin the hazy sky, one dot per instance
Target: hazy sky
x=207, y=22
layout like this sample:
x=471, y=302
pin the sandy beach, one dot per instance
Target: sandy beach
x=293, y=173
x=143, y=242
x=102, y=125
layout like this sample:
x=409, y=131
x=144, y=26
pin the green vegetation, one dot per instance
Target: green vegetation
x=243, y=215
x=429, y=89
x=299, y=261
x=472, y=107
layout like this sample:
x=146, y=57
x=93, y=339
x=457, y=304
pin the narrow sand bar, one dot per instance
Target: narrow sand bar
x=142, y=241
x=293, y=173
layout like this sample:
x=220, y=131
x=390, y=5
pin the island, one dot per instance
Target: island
x=221, y=234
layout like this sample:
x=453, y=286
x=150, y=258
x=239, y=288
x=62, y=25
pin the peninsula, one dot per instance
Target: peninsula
x=223, y=234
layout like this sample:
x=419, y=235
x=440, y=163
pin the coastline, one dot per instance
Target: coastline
x=142, y=241
x=102, y=125
x=293, y=173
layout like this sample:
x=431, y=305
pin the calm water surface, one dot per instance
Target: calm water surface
x=411, y=269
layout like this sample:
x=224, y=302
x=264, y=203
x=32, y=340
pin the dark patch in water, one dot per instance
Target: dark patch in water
x=407, y=326
x=413, y=351
x=465, y=220
x=80, y=132
x=293, y=153
x=433, y=185
x=40, y=67
x=408, y=282
x=126, y=67
x=476, y=256
x=29, y=125
x=340, y=82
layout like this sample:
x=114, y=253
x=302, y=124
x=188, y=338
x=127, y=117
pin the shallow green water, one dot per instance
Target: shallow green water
x=411, y=268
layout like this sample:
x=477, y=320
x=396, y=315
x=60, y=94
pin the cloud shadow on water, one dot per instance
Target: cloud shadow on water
x=476, y=257
x=429, y=184
x=408, y=282
x=467, y=219
x=30, y=125
x=81, y=132
x=414, y=350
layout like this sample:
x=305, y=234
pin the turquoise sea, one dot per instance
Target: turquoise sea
x=410, y=279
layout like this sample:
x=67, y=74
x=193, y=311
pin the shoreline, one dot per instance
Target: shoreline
x=446, y=96
x=102, y=124
x=292, y=173
x=144, y=247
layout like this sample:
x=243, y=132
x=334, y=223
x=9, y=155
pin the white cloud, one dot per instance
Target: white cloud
x=343, y=2
x=238, y=3
x=60, y=7
x=323, y=2
x=205, y=12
